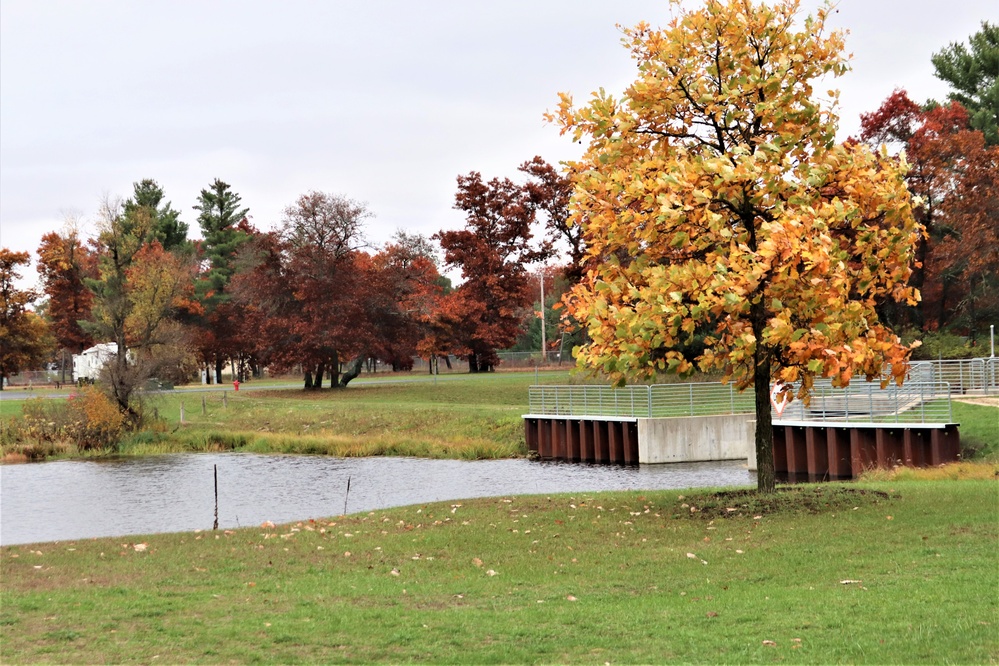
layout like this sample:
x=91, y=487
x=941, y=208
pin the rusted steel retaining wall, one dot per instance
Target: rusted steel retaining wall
x=628, y=441
x=817, y=451
x=802, y=450
x=583, y=439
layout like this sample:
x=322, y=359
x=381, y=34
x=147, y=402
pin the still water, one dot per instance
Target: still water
x=175, y=493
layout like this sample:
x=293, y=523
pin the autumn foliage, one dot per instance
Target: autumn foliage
x=492, y=251
x=716, y=205
x=24, y=335
x=64, y=264
x=956, y=177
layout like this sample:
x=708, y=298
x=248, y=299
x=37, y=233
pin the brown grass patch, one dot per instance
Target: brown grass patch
x=959, y=471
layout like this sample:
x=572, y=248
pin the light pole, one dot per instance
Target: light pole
x=544, y=346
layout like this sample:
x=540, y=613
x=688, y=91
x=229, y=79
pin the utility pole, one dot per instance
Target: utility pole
x=544, y=346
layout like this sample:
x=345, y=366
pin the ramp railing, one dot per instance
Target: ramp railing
x=914, y=402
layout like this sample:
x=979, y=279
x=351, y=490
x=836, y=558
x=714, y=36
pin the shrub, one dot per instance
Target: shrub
x=941, y=345
x=95, y=421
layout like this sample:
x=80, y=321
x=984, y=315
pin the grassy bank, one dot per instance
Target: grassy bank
x=458, y=416
x=900, y=572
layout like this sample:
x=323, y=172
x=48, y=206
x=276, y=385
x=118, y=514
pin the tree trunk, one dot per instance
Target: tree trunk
x=317, y=382
x=352, y=370
x=219, y=364
x=335, y=370
x=765, y=475
x=308, y=380
x=473, y=363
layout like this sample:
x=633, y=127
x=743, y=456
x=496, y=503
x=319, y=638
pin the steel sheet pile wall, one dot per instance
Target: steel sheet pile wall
x=583, y=440
x=815, y=452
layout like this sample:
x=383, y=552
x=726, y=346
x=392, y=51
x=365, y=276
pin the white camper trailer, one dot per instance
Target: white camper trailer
x=87, y=365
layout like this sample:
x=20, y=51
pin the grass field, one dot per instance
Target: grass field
x=899, y=572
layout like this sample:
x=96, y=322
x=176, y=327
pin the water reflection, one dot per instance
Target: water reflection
x=172, y=493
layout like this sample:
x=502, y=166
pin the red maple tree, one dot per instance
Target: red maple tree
x=953, y=172
x=492, y=251
x=64, y=265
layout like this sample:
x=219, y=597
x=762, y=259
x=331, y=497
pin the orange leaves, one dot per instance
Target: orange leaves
x=714, y=203
x=159, y=283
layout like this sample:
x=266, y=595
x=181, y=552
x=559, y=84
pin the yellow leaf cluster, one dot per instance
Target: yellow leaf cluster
x=718, y=208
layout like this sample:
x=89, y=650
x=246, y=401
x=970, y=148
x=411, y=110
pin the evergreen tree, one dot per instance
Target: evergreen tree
x=973, y=71
x=165, y=225
x=220, y=215
x=225, y=230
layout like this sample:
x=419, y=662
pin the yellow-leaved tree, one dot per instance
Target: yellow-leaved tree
x=717, y=207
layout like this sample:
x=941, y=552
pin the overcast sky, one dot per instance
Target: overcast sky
x=385, y=101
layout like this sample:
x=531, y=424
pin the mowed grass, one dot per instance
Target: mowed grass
x=458, y=416
x=901, y=572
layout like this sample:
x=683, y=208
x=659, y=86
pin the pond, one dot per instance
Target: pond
x=78, y=499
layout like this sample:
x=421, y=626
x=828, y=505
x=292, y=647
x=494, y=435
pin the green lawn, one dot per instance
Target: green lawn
x=902, y=572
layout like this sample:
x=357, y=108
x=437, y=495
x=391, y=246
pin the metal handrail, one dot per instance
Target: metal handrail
x=914, y=402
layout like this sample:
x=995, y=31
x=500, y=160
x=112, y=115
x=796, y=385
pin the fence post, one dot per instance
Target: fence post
x=922, y=404
x=950, y=407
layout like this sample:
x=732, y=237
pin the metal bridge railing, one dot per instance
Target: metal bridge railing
x=914, y=402
x=658, y=400
x=867, y=402
x=965, y=375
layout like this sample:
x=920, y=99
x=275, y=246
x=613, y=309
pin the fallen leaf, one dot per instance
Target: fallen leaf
x=491, y=573
x=571, y=598
x=712, y=614
x=692, y=556
x=140, y=547
x=394, y=572
x=770, y=643
x=267, y=524
x=476, y=561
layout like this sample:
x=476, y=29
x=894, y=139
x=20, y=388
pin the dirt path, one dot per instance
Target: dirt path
x=988, y=401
